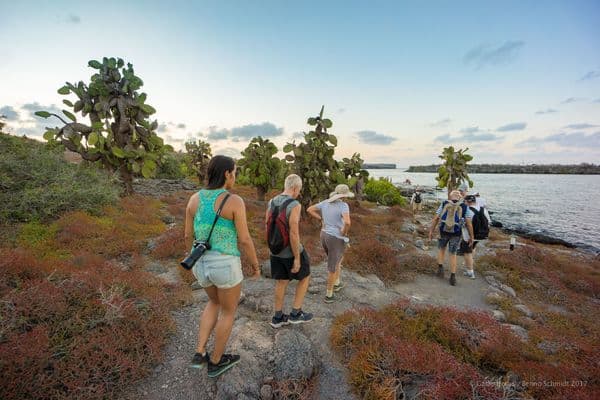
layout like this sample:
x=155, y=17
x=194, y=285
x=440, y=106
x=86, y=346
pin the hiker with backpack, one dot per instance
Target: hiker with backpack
x=217, y=219
x=335, y=216
x=481, y=230
x=452, y=215
x=289, y=259
x=416, y=202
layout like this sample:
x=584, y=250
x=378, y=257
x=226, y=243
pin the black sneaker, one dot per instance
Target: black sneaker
x=227, y=361
x=199, y=360
x=330, y=299
x=337, y=288
x=440, y=272
x=453, y=279
x=300, y=318
x=279, y=322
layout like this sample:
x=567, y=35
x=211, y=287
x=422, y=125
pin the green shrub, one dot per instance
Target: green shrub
x=38, y=184
x=172, y=166
x=384, y=192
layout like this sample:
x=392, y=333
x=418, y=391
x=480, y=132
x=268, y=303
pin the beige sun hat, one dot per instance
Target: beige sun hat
x=340, y=192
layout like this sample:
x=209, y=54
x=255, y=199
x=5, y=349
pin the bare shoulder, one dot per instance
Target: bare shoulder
x=193, y=201
x=236, y=201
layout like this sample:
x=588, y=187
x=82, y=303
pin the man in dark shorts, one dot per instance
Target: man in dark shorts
x=464, y=248
x=293, y=261
x=452, y=215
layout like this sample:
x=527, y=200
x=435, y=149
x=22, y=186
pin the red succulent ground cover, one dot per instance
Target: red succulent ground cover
x=444, y=353
x=76, y=322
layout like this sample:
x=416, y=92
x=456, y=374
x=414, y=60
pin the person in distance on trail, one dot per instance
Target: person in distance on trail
x=416, y=202
x=335, y=216
x=452, y=215
x=219, y=270
x=289, y=259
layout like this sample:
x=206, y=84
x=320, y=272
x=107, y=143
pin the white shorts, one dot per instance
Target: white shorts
x=216, y=269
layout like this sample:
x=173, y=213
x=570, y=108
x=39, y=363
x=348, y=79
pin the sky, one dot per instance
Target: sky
x=515, y=81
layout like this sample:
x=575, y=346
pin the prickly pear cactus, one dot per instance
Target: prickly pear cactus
x=313, y=160
x=198, y=156
x=353, y=174
x=453, y=170
x=120, y=135
x=260, y=166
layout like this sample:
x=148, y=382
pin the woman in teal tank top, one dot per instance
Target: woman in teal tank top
x=219, y=270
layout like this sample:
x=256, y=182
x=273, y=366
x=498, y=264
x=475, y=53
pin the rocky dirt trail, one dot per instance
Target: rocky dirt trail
x=296, y=352
x=297, y=355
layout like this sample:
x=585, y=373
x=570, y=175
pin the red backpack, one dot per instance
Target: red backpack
x=278, y=231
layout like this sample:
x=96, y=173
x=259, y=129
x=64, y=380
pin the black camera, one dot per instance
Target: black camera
x=198, y=249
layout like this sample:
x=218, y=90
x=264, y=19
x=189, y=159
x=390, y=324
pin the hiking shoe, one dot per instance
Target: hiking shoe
x=199, y=360
x=279, y=322
x=227, y=361
x=337, y=288
x=453, y=279
x=330, y=299
x=470, y=274
x=440, y=272
x=300, y=318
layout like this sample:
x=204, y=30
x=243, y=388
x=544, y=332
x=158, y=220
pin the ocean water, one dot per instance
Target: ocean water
x=561, y=206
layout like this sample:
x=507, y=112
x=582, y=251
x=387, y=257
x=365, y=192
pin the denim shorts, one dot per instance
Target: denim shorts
x=452, y=241
x=217, y=269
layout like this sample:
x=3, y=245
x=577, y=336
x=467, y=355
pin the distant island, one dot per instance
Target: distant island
x=578, y=169
x=379, y=166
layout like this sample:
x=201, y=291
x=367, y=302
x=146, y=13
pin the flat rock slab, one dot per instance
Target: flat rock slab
x=467, y=294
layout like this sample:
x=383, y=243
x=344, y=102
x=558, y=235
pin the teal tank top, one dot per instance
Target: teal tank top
x=224, y=236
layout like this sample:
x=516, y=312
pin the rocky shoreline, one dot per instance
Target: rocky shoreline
x=536, y=236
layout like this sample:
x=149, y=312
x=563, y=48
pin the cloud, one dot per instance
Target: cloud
x=472, y=129
x=446, y=138
x=217, y=134
x=73, y=19
x=241, y=133
x=493, y=55
x=266, y=129
x=173, y=139
x=298, y=135
x=180, y=126
x=228, y=151
x=469, y=137
x=10, y=113
x=590, y=75
x=572, y=100
x=162, y=128
x=31, y=125
x=546, y=111
x=372, y=137
x=341, y=110
x=441, y=123
x=574, y=139
x=515, y=126
x=597, y=100
x=580, y=126
x=484, y=137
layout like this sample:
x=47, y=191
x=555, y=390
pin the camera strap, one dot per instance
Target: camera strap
x=217, y=217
